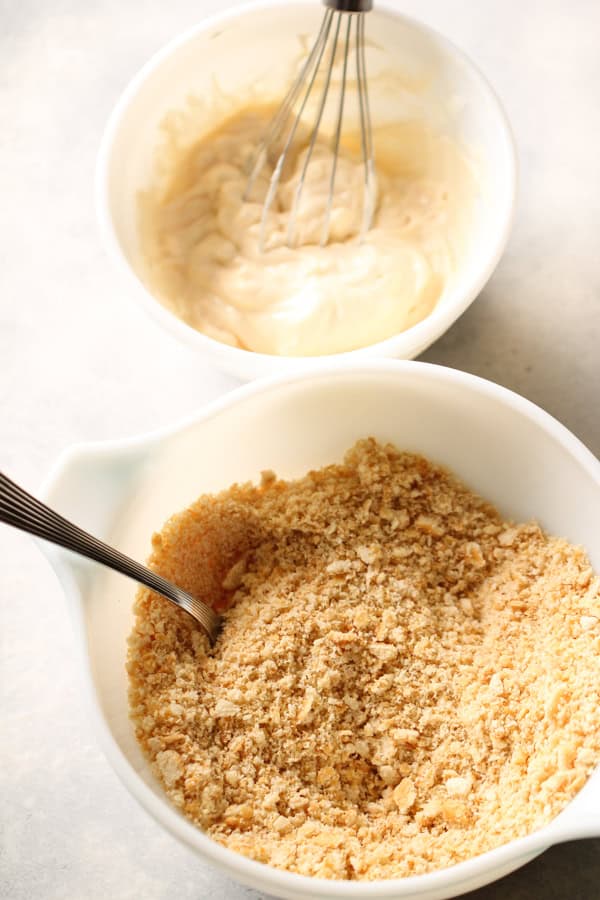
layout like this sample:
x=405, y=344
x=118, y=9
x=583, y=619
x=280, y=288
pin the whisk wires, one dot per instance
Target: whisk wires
x=341, y=19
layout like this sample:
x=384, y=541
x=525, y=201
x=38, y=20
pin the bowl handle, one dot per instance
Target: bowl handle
x=86, y=485
x=581, y=818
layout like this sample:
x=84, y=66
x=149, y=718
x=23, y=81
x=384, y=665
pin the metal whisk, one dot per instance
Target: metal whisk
x=344, y=23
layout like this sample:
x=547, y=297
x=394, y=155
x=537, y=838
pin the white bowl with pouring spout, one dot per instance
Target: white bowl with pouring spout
x=248, y=52
x=501, y=445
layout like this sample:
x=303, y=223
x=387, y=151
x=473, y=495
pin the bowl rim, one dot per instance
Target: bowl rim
x=463, y=876
x=406, y=344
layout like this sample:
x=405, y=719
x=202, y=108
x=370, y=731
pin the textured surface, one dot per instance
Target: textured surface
x=365, y=597
x=69, y=343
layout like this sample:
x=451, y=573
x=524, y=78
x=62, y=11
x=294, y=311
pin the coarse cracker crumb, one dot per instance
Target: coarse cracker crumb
x=403, y=680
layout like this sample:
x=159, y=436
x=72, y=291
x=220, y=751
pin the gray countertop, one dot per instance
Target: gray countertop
x=72, y=350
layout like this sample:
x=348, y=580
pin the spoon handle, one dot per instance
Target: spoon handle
x=21, y=510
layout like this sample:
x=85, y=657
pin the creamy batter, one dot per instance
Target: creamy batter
x=201, y=239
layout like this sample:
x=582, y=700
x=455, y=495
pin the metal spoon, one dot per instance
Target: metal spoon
x=21, y=510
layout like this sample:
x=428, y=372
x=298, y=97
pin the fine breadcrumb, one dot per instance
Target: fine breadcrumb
x=403, y=680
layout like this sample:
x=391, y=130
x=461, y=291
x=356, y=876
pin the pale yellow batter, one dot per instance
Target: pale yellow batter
x=201, y=240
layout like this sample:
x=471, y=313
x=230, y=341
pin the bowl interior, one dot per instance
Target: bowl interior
x=497, y=443
x=252, y=54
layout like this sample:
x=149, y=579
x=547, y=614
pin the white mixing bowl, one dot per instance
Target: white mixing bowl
x=253, y=46
x=504, y=447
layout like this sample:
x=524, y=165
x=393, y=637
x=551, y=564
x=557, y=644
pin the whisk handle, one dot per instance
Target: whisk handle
x=349, y=6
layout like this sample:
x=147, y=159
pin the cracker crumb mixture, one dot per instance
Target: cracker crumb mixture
x=403, y=680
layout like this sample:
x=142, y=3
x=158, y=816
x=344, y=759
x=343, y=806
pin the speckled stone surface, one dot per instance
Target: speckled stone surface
x=72, y=349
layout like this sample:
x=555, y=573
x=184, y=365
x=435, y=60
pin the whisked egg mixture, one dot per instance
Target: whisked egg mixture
x=202, y=252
